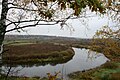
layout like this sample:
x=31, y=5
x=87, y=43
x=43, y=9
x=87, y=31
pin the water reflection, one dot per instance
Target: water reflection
x=10, y=71
x=44, y=63
x=82, y=60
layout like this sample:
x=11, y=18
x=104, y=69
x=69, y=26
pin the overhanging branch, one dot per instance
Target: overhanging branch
x=22, y=8
x=48, y=22
x=35, y=20
x=32, y=25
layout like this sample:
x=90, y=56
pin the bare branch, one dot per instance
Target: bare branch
x=53, y=4
x=32, y=25
x=34, y=3
x=32, y=21
x=48, y=22
x=113, y=9
x=23, y=8
x=11, y=22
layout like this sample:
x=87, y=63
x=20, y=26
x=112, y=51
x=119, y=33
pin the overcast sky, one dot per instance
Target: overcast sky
x=75, y=29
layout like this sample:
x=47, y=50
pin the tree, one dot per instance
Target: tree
x=19, y=14
x=113, y=10
x=110, y=35
x=108, y=40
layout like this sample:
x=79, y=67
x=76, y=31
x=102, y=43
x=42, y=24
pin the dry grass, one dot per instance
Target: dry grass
x=36, y=52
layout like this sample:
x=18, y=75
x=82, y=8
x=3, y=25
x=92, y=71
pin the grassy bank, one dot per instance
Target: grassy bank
x=36, y=53
x=43, y=53
x=108, y=71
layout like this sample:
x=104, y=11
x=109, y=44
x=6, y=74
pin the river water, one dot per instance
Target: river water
x=82, y=60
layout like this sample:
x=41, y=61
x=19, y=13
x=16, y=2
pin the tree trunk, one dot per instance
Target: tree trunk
x=3, y=24
x=3, y=28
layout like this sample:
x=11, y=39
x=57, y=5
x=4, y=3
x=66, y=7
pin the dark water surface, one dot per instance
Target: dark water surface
x=82, y=60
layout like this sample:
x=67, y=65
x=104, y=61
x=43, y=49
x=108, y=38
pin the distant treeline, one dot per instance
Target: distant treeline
x=47, y=38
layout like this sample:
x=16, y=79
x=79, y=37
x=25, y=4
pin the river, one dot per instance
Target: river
x=82, y=60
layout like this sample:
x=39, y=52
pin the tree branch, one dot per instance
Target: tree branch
x=32, y=21
x=53, y=22
x=113, y=9
x=11, y=22
x=22, y=8
x=32, y=25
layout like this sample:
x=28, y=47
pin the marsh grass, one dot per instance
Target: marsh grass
x=115, y=76
x=98, y=73
x=108, y=71
x=42, y=52
x=110, y=65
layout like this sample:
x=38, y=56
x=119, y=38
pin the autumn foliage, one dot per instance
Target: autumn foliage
x=108, y=40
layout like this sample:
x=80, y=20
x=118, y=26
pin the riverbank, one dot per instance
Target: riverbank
x=42, y=53
x=108, y=71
